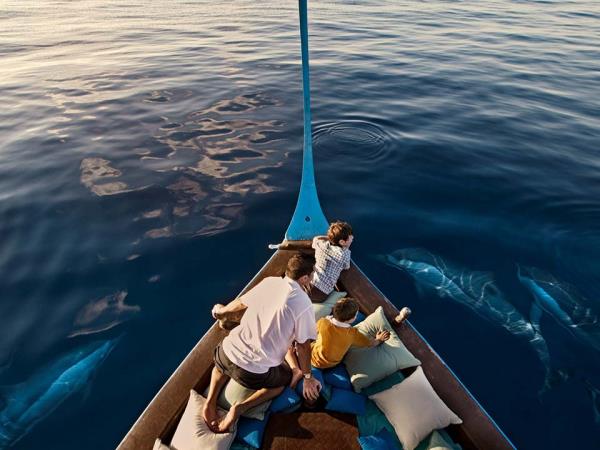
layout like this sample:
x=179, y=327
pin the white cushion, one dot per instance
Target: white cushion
x=414, y=409
x=233, y=392
x=158, y=445
x=192, y=432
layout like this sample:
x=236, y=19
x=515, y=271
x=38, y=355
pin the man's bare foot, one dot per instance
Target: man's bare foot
x=296, y=377
x=209, y=414
x=229, y=419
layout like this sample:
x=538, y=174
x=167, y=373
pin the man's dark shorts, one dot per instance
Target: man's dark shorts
x=275, y=377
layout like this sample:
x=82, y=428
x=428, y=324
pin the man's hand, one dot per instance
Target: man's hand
x=382, y=336
x=311, y=389
x=217, y=311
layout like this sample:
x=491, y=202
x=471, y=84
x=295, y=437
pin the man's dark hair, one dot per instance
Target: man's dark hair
x=345, y=309
x=299, y=265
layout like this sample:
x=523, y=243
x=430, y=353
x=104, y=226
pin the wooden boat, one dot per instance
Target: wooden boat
x=314, y=430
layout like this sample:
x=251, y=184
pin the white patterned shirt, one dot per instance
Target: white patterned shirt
x=330, y=261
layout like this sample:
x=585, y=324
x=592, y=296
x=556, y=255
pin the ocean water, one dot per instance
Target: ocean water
x=151, y=150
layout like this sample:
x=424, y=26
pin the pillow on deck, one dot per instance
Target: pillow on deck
x=384, y=385
x=338, y=377
x=251, y=431
x=384, y=440
x=158, y=445
x=414, y=409
x=345, y=401
x=438, y=440
x=368, y=365
x=233, y=392
x=192, y=432
x=286, y=401
x=373, y=421
x=324, y=309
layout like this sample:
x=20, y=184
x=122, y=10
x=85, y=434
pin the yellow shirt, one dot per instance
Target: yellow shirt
x=333, y=342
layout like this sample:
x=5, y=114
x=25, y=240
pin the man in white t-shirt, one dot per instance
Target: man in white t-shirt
x=278, y=314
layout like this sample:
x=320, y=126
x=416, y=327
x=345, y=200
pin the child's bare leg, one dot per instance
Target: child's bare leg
x=292, y=360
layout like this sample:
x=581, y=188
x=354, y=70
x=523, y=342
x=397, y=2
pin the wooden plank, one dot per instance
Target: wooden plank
x=477, y=431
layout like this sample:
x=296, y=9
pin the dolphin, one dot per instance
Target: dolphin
x=569, y=309
x=103, y=314
x=475, y=290
x=23, y=405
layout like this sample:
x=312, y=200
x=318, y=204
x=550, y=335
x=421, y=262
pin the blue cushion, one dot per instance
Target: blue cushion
x=383, y=440
x=338, y=377
x=383, y=385
x=359, y=318
x=285, y=401
x=251, y=431
x=318, y=374
x=346, y=401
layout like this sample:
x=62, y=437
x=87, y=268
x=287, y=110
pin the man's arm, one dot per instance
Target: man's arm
x=236, y=307
x=312, y=386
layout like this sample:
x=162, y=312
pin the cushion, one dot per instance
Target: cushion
x=359, y=318
x=368, y=365
x=286, y=401
x=384, y=440
x=438, y=440
x=401, y=403
x=373, y=421
x=337, y=377
x=192, y=433
x=251, y=431
x=345, y=401
x=383, y=385
x=158, y=445
x=233, y=392
x=324, y=309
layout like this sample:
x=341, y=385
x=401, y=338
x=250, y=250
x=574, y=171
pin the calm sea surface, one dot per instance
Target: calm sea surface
x=151, y=150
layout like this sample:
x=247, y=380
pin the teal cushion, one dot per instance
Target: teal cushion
x=285, y=401
x=383, y=385
x=369, y=365
x=346, y=401
x=233, y=392
x=324, y=309
x=251, y=431
x=373, y=421
x=359, y=318
x=383, y=440
x=338, y=377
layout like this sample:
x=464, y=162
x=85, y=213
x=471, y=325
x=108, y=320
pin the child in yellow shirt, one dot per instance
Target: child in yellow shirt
x=336, y=335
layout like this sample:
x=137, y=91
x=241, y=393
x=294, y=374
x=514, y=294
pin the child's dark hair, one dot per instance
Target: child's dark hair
x=299, y=265
x=339, y=231
x=345, y=309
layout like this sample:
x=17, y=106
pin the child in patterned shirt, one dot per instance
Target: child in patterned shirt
x=332, y=254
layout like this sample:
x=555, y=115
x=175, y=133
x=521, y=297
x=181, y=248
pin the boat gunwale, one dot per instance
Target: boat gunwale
x=142, y=434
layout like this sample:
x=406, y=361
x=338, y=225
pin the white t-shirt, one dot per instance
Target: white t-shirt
x=279, y=312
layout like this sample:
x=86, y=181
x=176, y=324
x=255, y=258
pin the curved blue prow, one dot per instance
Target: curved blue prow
x=308, y=219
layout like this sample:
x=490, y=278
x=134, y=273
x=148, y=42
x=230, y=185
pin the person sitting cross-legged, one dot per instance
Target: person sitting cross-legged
x=277, y=313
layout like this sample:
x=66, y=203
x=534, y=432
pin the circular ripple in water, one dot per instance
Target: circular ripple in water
x=353, y=141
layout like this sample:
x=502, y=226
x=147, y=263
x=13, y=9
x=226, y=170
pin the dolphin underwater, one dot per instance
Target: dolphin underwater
x=562, y=303
x=23, y=405
x=476, y=290
x=103, y=314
